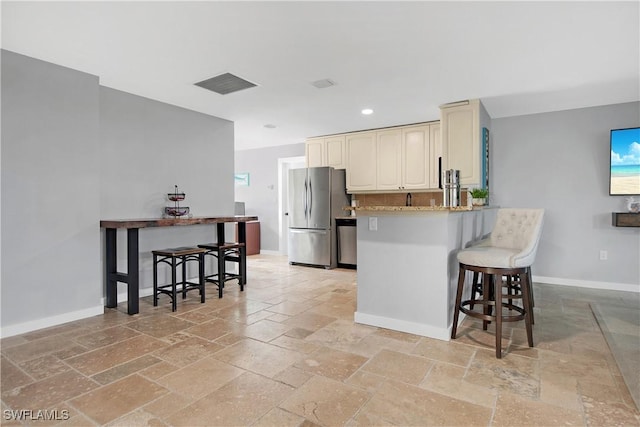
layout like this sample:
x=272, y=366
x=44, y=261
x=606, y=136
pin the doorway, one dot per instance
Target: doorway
x=284, y=165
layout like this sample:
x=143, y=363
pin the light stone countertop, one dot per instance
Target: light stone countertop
x=412, y=208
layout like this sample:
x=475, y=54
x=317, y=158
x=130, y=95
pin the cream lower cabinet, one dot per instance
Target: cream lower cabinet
x=329, y=151
x=361, y=161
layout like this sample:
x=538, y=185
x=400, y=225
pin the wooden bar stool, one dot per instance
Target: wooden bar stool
x=511, y=283
x=174, y=258
x=493, y=301
x=507, y=253
x=227, y=252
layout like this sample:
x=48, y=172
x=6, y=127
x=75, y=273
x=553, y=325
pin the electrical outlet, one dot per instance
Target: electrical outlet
x=603, y=255
x=373, y=223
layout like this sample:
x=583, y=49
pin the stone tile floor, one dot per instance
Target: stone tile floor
x=620, y=324
x=286, y=352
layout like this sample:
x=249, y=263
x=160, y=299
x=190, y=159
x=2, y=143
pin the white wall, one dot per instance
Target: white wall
x=74, y=153
x=560, y=161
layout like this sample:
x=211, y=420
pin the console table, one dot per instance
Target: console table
x=625, y=219
x=131, y=277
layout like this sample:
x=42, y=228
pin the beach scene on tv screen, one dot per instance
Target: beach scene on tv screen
x=625, y=161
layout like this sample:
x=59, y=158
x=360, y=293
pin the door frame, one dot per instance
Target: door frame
x=284, y=164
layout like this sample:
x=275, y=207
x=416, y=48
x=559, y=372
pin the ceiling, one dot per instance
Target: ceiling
x=402, y=59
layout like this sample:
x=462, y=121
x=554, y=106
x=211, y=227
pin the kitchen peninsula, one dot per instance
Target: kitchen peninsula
x=407, y=266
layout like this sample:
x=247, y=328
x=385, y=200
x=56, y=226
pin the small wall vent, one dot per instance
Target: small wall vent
x=225, y=83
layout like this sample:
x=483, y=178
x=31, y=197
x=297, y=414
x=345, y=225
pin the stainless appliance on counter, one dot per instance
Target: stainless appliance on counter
x=451, y=190
x=316, y=197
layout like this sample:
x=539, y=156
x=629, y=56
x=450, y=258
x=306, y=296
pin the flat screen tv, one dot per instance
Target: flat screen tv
x=624, y=171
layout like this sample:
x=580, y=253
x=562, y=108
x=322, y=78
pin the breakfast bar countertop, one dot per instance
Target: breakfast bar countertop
x=413, y=208
x=169, y=222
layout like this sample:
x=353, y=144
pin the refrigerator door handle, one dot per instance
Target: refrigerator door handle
x=310, y=198
x=307, y=231
x=305, y=198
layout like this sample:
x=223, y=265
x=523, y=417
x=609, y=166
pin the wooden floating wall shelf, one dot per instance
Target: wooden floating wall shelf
x=626, y=219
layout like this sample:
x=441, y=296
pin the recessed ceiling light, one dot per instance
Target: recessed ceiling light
x=367, y=111
x=270, y=126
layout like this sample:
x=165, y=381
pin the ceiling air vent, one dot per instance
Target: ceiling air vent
x=225, y=83
x=324, y=83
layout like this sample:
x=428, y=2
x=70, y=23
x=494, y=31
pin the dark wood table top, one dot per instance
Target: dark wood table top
x=170, y=222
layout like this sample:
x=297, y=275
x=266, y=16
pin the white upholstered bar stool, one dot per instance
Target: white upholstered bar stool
x=509, y=251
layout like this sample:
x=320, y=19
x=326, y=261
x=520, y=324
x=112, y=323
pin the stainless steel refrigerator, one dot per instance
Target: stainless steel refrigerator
x=316, y=197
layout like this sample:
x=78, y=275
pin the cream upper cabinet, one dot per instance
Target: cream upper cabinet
x=397, y=159
x=435, y=157
x=329, y=151
x=416, y=164
x=314, y=150
x=460, y=127
x=389, y=159
x=361, y=161
x=335, y=152
x=403, y=158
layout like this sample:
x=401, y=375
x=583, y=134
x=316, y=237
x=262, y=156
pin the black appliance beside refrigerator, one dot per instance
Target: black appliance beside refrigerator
x=316, y=197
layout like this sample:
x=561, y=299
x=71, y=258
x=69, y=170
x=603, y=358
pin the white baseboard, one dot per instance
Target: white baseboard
x=443, y=334
x=268, y=252
x=47, y=322
x=122, y=296
x=627, y=287
x=367, y=319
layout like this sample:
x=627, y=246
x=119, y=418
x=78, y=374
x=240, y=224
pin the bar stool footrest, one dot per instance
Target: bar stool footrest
x=491, y=317
x=178, y=258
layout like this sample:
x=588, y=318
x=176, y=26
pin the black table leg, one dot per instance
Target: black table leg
x=133, y=271
x=111, y=267
x=242, y=238
x=220, y=232
x=112, y=277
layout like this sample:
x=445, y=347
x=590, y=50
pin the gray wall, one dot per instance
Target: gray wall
x=50, y=198
x=560, y=161
x=74, y=153
x=146, y=148
x=261, y=196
